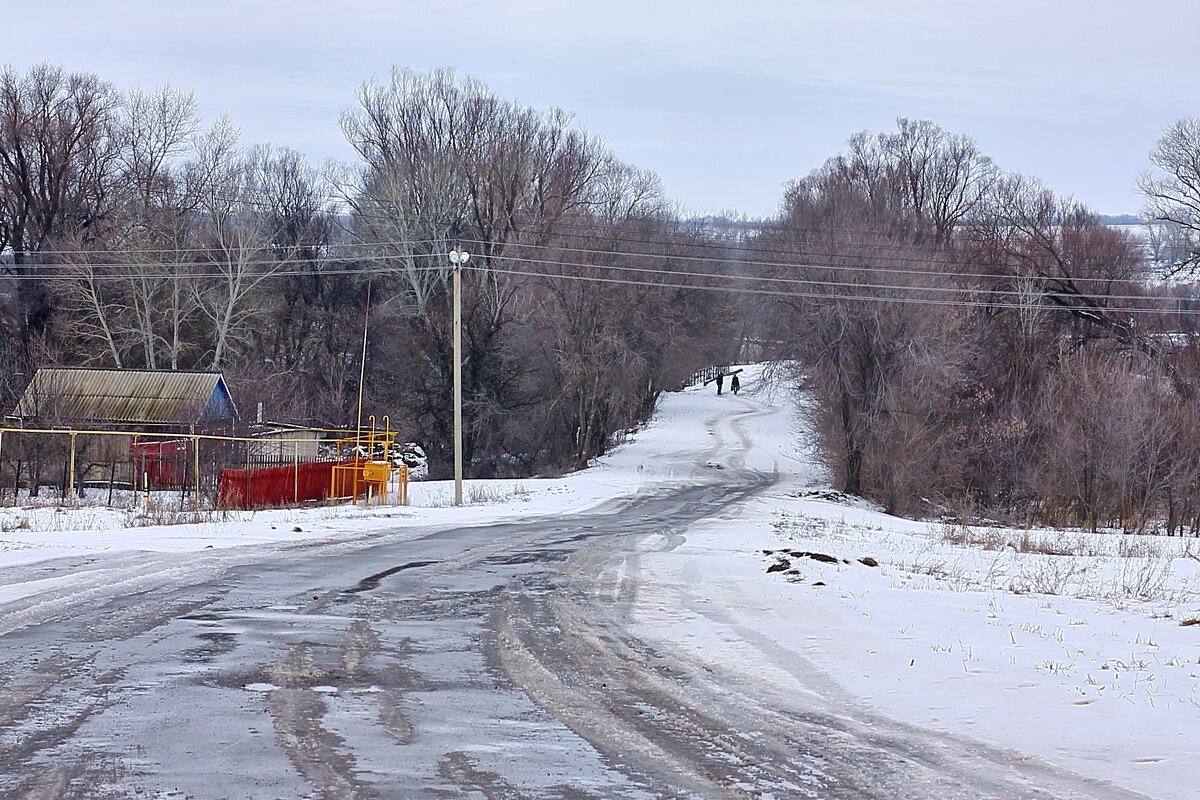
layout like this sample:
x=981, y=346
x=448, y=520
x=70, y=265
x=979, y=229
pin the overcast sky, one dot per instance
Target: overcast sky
x=725, y=101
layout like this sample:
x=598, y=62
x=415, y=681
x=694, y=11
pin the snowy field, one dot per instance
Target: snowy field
x=1067, y=646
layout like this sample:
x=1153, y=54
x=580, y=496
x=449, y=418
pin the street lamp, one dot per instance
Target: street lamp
x=458, y=258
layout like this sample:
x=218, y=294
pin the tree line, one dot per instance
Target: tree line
x=968, y=339
x=976, y=343
x=135, y=237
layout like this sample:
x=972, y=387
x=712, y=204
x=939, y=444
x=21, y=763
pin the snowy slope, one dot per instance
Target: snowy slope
x=1078, y=659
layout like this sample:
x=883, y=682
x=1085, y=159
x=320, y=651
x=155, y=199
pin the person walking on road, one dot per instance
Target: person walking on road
x=734, y=383
x=720, y=382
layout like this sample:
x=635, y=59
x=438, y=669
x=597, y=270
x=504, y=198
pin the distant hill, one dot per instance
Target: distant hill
x=1121, y=219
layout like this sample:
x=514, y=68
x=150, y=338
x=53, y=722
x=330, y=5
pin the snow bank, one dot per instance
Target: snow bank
x=1067, y=646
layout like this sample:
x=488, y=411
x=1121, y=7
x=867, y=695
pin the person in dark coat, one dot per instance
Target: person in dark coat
x=734, y=384
x=720, y=382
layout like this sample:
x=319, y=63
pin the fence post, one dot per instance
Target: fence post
x=333, y=472
x=357, y=461
x=196, y=473
x=296, y=472
x=247, y=498
x=71, y=470
x=181, y=462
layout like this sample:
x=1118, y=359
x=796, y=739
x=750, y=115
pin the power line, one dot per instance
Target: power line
x=77, y=266
x=892, y=249
x=993, y=276
x=214, y=248
x=281, y=273
x=815, y=251
x=121, y=272
x=1096, y=311
x=893, y=257
x=589, y=232
x=809, y=282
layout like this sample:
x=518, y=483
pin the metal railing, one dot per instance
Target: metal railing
x=704, y=375
x=195, y=466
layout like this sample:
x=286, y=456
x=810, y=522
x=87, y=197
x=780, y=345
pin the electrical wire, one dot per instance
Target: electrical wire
x=890, y=248
x=26, y=271
x=809, y=282
x=120, y=272
x=823, y=267
x=1095, y=311
x=101, y=271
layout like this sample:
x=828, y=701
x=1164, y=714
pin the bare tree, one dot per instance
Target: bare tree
x=944, y=177
x=236, y=236
x=1032, y=238
x=443, y=161
x=409, y=199
x=920, y=179
x=156, y=131
x=883, y=367
x=57, y=156
x=132, y=289
x=1111, y=427
x=57, y=148
x=1172, y=190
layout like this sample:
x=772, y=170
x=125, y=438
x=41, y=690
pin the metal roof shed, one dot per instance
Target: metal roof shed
x=128, y=397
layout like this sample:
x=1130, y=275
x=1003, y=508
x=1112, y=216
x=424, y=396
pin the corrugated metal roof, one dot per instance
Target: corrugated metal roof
x=112, y=395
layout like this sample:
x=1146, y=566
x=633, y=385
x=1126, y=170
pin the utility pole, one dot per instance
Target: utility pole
x=458, y=258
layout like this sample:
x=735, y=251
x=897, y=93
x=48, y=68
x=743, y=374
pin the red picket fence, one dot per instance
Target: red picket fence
x=271, y=487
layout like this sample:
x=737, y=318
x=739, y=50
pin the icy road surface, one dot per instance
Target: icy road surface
x=495, y=661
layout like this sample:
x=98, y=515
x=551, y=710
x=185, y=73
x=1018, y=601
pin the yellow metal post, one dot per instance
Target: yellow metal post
x=248, y=483
x=333, y=471
x=195, y=473
x=362, y=377
x=387, y=445
x=71, y=471
x=371, y=447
